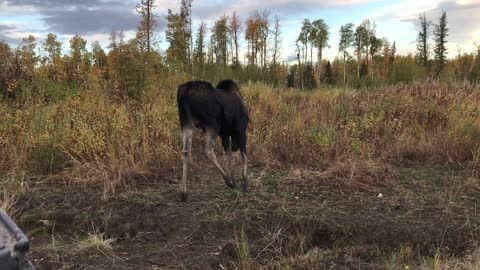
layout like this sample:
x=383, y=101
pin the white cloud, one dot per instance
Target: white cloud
x=209, y=10
x=7, y=10
x=463, y=22
x=94, y=19
x=13, y=31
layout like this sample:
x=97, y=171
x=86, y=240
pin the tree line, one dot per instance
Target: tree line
x=127, y=67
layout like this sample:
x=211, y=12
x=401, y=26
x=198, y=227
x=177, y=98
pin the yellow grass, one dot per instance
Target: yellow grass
x=90, y=138
x=95, y=244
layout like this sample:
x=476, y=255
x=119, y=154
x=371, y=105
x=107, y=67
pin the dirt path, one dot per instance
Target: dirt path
x=301, y=218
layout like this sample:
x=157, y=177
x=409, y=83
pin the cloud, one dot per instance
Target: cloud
x=208, y=10
x=78, y=17
x=92, y=19
x=84, y=21
x=87, y=17
x=95, y=19
x=60, y=4
x=291, y=58
x=5, y=30
x=463, y=21
x=14, y=33
x=463, y=24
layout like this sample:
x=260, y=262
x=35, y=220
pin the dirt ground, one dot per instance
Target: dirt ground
x=292, y=219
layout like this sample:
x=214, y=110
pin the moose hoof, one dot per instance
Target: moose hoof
x=229, y=183
x=245, y=187
x=184, y=196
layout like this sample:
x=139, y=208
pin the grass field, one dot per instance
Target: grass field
x=341, y=179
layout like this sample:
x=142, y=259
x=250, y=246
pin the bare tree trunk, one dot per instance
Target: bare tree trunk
x=305, y=62
x=299, y=65
x=236, y=40
x=373, y=67
x=236, y=50
x=276, y=42
x=265, y=53
x=261, y=55
x=366, y=58
x=248, y=50
x=344, y=70
x=305, y=52
x=274, y=56
x=149, y=3
x=311, y=55
x=358, y=65
x=254, y=52
x=235, y=28
x=319, y=65
x=191, y=37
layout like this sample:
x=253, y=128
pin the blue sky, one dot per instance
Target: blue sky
x=95, y=19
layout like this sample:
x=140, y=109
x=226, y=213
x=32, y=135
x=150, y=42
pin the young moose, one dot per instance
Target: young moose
x=217, y=111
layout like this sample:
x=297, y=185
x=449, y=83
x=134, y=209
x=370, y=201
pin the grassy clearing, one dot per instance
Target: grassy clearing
x=87, y=138
x=319, y=162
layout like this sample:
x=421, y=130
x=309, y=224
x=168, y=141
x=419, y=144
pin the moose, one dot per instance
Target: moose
x=219, y=112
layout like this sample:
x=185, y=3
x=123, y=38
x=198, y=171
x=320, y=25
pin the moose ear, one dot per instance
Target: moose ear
x=228, y=85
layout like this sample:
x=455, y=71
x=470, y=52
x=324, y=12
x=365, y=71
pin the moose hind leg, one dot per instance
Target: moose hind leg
x=244, y=171
x=211, y=155
x=241, y=141
x=187, y=147
x=227, y=146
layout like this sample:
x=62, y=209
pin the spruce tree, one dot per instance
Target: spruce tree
x=440, y=36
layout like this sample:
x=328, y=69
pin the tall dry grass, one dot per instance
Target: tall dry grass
x=89, y=138
x=423, y=122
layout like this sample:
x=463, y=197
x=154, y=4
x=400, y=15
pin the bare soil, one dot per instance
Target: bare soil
x=288, y=217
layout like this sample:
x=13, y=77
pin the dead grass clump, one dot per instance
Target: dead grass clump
x=415, y=146
x=441, y=261
x=8, y=204
x=95, y=244
x=244, y=258
x=471, y=185
x=112, y=175
x=349, y=175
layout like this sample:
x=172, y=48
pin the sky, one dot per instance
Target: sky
x=94, y=20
